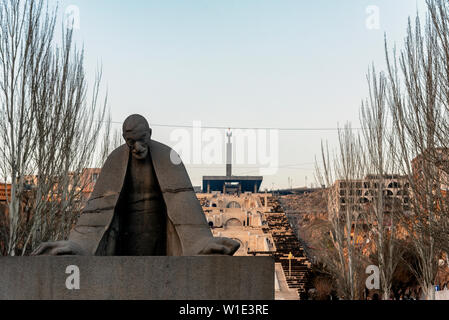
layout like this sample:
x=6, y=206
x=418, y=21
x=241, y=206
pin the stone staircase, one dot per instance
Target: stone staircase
x=286, y=242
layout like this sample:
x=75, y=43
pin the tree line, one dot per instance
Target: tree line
x=404, y=131
x=52, y=125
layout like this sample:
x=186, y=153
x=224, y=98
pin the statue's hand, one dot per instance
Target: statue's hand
x=59, y=248
x=223, y=246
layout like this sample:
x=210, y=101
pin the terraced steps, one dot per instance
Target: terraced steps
x=286, y=242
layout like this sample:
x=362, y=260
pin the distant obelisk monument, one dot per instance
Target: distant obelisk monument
x=230, y=183
x=229, y=154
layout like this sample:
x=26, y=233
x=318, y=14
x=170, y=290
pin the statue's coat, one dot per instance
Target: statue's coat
x=97, y=229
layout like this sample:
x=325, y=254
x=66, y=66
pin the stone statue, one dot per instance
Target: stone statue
x=143, y=204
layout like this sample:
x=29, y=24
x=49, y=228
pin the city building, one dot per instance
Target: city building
x=438, y=171
x=358, y=195
x=5, y=195
x=239, y=217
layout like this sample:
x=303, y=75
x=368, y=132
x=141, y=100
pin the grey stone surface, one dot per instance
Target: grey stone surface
x=139, y=278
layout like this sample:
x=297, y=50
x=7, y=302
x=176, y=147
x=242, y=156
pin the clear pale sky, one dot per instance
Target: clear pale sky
x=240, y=63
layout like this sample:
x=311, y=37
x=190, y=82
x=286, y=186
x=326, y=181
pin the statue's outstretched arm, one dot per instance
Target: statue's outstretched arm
x=59, y=248
x=220, y=246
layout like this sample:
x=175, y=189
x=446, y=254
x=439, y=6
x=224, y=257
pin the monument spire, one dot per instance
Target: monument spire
x=229, y=154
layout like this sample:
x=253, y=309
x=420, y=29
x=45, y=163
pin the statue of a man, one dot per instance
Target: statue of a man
x=143, y=204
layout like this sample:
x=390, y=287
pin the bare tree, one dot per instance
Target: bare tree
x=439, y=22
x=342, y=254
x=111, y=140
x=48, y=129
x=381, y=210
x=418, y=117
x=405, y=129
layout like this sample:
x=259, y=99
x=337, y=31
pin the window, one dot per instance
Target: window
x=233, y=204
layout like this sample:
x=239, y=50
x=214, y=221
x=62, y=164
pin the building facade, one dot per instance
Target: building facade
x=239, y=217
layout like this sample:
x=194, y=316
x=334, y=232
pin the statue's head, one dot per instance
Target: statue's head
x=137, y=134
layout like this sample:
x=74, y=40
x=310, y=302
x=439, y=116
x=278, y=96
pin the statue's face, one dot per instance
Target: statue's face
x=138, y=142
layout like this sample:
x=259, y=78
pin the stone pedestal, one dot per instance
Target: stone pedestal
x=137, y=278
